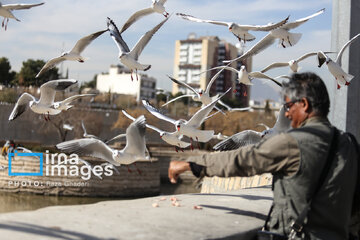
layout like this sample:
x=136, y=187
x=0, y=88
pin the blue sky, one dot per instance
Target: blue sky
x=47, y=30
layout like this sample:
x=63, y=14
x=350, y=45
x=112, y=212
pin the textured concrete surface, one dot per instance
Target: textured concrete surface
x=232, y=215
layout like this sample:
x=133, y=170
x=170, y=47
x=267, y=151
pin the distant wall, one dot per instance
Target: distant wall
x=124, y=184
x=32, y=128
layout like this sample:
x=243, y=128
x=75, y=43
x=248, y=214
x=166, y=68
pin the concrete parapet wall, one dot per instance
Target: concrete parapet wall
x=125, y=184
x=219, y=185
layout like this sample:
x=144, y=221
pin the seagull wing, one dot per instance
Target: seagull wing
x=199, y=117
x=184, y=84
x=83, y=127
x=116, y=138
x=298, y=22
x=262, y=75
x=147, y=125
x=267, y=27
x=238, y=140
x=82, y=43
x=174, y=99
x=135, y=137
x=20, y=6
x=282, y=123
x=154, y=111
x=208, y=87
x=258, y=47
x=21, y=105
x=338, y=58
x=50, y=64
x=140, y=45
x=116, y=36
x=88, y=147
x=75, y=97
x=275, y=65
x=136, y=16
x=194, y=19
x=48, y=89
x=321, y=58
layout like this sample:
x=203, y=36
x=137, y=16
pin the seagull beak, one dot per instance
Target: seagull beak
x=160, y=136
x=178, y=128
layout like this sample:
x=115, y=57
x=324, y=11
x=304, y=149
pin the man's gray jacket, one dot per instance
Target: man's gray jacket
x=296, y=160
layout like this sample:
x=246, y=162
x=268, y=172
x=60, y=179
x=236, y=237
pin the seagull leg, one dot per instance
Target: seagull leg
x=176, y=149
x=191, y=144
x=338, y=86
x=197, y=140
x=289, y=41
x=282, y=43
x=3, y=22
x=129, y=170
x=138, y=170
x=131, y=72
x=136, y=75
x=347, y=83
x=7, y=21
x=48, y=116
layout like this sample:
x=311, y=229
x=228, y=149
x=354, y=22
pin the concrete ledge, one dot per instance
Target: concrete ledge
x=231, y=215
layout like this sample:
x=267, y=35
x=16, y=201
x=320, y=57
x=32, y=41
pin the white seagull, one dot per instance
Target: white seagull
x=73, y=54
x=189, y=128
x=46, y=105
x=172, y=138
x=239, y=31
x=156, y=6
x=282, y=33
x=201, y=96
x=247, y=137
x=133, y=151
x=246, y=77
x=127, y=57
x=335, y=67
x=5, y=11
x=293, y=64
x=204, y=96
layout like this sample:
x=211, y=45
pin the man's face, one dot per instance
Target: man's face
x=296, y=111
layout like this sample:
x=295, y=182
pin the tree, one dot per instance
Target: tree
x=6, y=76
x=30, y=68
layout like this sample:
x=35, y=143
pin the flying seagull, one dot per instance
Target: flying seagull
x=74, y=54
x=5, y=11
x=133, y=151
x=247, y=137
x=172, y=138
x=127, y=57
x=156, y=6
x=244, y=76
x=85, y=134
x=335, y=67
x=202, y=96
x=292, y=64
x=189, y=128
x=282, y=33
x=46, y=105
x=239, y=31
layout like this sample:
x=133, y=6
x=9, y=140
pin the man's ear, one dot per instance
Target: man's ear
x=306, y=104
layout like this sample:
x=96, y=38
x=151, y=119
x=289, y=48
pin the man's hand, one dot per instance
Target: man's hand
x=176, y=168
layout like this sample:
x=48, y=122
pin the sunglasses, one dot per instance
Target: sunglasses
x=289, y=104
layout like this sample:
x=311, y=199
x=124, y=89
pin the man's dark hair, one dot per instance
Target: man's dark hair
x=310, y=86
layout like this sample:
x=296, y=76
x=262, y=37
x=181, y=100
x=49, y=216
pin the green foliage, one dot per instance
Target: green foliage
x=26, y=76
x=6, y=76
x=8, y=95
x=90, y=84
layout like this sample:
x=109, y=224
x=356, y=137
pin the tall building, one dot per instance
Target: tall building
x=195, y=55
x=118, y=80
